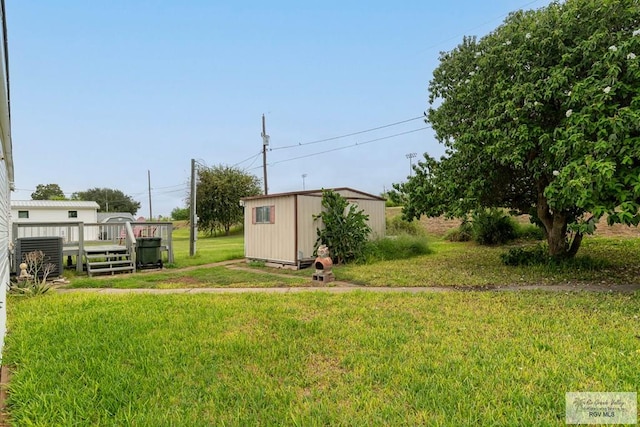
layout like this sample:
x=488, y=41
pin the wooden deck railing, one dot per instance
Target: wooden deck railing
x=77, y=235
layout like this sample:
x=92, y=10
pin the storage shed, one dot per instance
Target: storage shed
x=280, y=230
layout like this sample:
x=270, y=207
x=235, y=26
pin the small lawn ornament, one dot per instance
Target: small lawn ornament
x=323, y=265
x=23, y=272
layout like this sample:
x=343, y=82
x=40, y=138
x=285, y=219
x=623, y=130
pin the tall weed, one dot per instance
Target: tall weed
x=401, y=247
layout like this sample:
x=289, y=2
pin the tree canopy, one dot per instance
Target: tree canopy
x=110, y=200
x=48, y=192
x=180, y=214
x=218, y=195
x=541, y=116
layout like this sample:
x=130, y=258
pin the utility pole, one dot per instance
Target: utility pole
x=410, y=156
x=149, y=181
x=304, y=175
x=265, y=143
x=193, y=218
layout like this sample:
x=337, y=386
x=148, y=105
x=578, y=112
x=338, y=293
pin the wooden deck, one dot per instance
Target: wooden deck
x=86, y=241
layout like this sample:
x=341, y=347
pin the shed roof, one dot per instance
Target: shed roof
x=314, y=193
x=52, y=204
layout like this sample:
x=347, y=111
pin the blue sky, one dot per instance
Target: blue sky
x=102, y=92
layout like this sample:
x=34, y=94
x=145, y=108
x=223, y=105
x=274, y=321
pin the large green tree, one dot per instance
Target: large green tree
x=541, y=116
x=48, y=192
x=110, y=200
x=218, y=195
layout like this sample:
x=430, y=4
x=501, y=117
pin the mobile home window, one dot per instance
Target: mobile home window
x=23, y=214
x=73, y=214
x=264, y=215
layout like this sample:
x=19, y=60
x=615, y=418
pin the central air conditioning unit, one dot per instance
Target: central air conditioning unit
x=51, y=247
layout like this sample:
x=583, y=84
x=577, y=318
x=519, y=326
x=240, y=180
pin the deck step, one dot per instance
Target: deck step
x=111, y=270
x=114, y=263
x=108, y=261
x=106, y=256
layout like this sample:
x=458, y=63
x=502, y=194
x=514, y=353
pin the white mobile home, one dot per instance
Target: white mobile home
x=56, y=211
x=280, y=229
x=6, y=177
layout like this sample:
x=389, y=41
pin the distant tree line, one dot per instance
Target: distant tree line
x=109, y=200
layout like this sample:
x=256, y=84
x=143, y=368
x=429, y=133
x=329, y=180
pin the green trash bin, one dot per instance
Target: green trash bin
x=148, y=252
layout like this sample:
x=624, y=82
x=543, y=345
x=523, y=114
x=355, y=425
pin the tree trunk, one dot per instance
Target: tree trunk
x=555, y=224
x=557, y=237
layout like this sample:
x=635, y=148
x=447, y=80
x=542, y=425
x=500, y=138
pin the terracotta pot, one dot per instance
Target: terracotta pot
x=323, y=263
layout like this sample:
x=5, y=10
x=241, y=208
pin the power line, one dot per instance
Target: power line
x=349, y=146
x=347, y=135
x=247, y=159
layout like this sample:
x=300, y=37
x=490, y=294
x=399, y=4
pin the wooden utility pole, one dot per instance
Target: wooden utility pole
x=193, y=218
x=149, y=180
x=265, y=143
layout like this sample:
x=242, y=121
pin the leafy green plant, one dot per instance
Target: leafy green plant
x=345, y=230
x=492, y=227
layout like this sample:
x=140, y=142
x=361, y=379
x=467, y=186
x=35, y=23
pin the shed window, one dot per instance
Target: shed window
x=73, y=214
x=264, y=215
x=23, y=214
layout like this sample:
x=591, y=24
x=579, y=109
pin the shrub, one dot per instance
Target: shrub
x=397, y=226
x=529, y=232
x=463, y=233
x=493, y=226
x=180, y=214
x=401, y=247
x=345, y=229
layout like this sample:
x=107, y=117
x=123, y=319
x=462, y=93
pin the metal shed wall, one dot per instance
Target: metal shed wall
x=308, y=206
x=272, y=242
x=292, y=236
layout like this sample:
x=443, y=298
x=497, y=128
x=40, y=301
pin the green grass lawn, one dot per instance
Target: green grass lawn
x=461, y=264
x=356, y=359
x=465, y=264
x=208, y=249
x=201, y=277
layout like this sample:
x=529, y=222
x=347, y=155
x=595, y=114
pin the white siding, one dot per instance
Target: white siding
x=308, y=206
x=4, y=250
x=54, y=214
x=6, y=175
x=273, y=242
x=38, y=212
